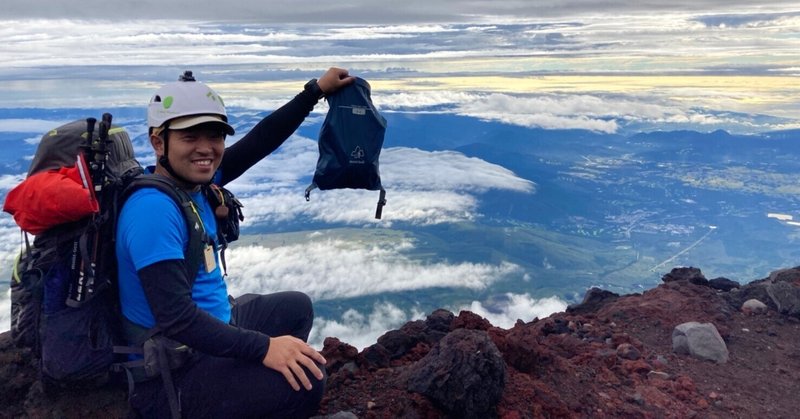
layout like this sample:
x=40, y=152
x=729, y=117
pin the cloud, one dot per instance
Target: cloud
x=10, y=245
x=7, y=182
x=549, y=121
x=296, y=159
x=418, y=170
x=505, y=311
x=331, y=269
x=5, y=311
x=548, y=111
x=684, y=107
x=263, y=64
x=363, y=329
x=358, y=207
x=432, y=99
x=423, y=187
x=563, y=106
x=391, y=31
x=597, y=42
x=750, y=20
x=363, y=11
x=38, y=126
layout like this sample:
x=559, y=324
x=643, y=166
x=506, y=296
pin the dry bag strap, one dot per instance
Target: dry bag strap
x=381, y=203
x=310, y=188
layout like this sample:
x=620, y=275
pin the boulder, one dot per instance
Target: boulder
x=464, y=374
x=786, y=297
x=690, y=274
x=723, y=284
x=753, y=306
x=700, y=340
x=592, y=301
x=429, y=331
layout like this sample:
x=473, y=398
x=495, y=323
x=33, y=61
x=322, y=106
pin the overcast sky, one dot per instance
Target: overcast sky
x=364, y=11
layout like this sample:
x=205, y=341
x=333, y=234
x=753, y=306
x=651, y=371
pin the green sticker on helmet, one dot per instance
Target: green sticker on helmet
x=213, y=96
x=167, y=102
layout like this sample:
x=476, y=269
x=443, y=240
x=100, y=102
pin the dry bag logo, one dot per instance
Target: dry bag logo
x=357, y=156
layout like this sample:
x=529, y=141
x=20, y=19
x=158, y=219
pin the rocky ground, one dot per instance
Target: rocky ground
x=611, y=356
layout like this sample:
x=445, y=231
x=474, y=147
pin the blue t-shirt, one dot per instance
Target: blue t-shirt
x=152, y=228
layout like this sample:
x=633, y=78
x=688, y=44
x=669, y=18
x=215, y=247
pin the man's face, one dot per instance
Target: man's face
x=194, y=153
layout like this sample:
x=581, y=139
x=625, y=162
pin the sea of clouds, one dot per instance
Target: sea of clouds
x=499, y=71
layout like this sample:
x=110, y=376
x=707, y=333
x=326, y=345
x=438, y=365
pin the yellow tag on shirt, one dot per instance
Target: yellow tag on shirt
x=210, y=261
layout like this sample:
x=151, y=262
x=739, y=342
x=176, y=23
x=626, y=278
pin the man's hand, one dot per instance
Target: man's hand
x=288, y=355
x=334, y=79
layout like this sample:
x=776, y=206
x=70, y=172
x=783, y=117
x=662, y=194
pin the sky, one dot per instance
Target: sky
x=364, y=11
x=606, y=66
x=602, y=66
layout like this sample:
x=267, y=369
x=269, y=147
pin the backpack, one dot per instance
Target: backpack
x=64, y=296
x=350, y=142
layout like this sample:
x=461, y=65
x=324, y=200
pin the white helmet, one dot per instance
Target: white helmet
x=186, y=98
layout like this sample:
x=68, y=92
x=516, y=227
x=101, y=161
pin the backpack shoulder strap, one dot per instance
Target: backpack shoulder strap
x=228, y=213
x=198, y=239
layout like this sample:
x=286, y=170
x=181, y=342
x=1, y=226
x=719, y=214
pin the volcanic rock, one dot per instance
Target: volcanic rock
x=464, y=374
x=610, y=356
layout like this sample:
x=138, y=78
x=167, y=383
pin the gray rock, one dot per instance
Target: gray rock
x=700, y=340
x=753, y=306
x=464, y=374
x=786, y=297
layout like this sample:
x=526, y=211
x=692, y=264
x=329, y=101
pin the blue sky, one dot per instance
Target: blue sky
x=610, y=67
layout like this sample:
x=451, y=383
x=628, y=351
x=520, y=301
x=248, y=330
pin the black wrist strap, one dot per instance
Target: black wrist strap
x=313, y=87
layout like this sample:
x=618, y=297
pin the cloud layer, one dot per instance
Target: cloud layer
x=694, y=105
x=680, y=67
x=359, y=11
x=333, y=269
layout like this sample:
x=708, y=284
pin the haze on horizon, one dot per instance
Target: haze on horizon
x=684, y=62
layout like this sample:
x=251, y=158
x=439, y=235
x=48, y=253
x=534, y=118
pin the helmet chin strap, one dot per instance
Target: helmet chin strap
x=164, y=161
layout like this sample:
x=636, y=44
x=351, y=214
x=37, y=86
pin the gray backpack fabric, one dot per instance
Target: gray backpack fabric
x=59, y=147
x=350, y=143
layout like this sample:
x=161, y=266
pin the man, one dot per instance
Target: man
x=252, y=359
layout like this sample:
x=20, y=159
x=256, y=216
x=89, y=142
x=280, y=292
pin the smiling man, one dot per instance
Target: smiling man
x=249, y=356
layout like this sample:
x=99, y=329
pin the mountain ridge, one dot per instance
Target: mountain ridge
x=609, y=356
